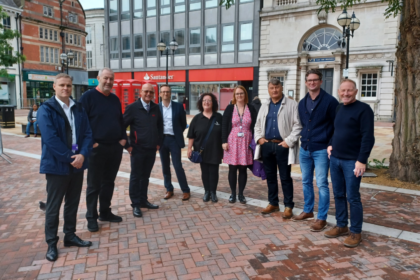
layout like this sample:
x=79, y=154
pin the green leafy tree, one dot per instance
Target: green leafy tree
x=8, y=57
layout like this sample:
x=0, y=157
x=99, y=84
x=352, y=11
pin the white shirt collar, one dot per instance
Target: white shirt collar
x=144, y=103
x=64, y=105
x=169, y=106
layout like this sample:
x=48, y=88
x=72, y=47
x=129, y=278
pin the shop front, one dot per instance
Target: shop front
x=8, y=91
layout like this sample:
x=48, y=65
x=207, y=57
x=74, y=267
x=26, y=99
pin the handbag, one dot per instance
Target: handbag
x=196, y=155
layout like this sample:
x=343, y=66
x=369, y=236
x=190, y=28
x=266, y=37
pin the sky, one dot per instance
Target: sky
x=92, y=4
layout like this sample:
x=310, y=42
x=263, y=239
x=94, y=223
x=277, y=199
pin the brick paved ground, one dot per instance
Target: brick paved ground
x=195, y=240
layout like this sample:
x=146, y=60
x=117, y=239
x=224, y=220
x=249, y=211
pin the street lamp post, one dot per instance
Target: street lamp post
x=173, y=45
x=349, y=24
x=65, y=60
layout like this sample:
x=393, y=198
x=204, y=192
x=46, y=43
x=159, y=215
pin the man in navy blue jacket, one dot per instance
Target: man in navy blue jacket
x=317, y=113
x=174, y=124
x=66, y=145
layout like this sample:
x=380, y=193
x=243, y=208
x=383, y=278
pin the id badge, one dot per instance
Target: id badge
x=74, y=147
x=240, y=134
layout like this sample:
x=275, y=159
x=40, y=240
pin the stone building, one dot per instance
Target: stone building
x=95, y=58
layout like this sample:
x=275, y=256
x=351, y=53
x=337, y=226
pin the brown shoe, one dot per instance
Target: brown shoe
x=169, y=195
x=186, y=196
x=336, y=232
x=303, y=217
x=270, y=209
x=353, y=240
x=318, y=225
x=288, y=213
x=27, y=136
x=35, y=135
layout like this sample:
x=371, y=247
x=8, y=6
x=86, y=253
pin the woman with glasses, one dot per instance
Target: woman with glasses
x=237, y=129
x=212, y=153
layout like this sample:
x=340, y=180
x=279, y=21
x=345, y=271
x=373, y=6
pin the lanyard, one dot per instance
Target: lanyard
x=240, y=117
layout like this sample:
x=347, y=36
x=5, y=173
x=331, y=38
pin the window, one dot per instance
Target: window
x=164, y=37
x=138, y=8
x=67, y=38
x=151, y=8
x=78, y=40
x=211, y=3
x=151, y=45
x=89, y=35
x=165, y=7
x=179, y=6
x=55, y=36
x=245, y=39
x=48, y=11
x=195, y=5
x=138, y=46
x=211, y=40
x=51, y=55
x=245, y=1
x=369, y=85
x=56, y=56
x=228, y=38
x=51, y=35
x=42, y=54
x=41, y=33
x=180, y=39
x=6, y=22
x=278, y=77
x=113, y=10
x=46, y=34
x=125, y=9
x=89, y=59
x=80, y=60
x=71, y=39
x=46, y=55
x=126, y=47
x=195, y=41
x=323, y=39
x=75, y=60
x=72, y=4
x=71, y=61
x=72, y=18
x=114, y=50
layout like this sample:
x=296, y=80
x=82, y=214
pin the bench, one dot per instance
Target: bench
x=31, y=130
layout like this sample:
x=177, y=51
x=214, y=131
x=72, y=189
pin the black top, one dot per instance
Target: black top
x=353, y=137
x=256, y=104
x=213, y=152
x=105, y=116
x=311, y=104
x=227, y=121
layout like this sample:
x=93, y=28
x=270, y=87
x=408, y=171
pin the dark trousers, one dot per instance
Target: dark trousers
x=104, y=163
x=68, y=187
x=171, y=147
x=142, y=161
x=234, y=178
x=209, y=176
x=275, y=156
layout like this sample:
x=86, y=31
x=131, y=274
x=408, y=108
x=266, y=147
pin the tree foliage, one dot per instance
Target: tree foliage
x=8, y=57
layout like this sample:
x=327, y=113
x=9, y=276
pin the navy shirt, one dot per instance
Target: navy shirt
x=271, y=125
x=311, y=104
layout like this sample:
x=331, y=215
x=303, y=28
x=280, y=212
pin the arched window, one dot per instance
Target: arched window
x=322, y=39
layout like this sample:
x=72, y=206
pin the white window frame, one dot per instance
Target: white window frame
x=89, y=59
x=360, y=74
x=138, y=49
x=47, y=10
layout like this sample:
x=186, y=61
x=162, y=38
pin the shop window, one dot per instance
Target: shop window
x=195, y=5
x=151, y=45
x=138, y=46
x=195, y=41
x=6, y=23
x=369, y=85
x=151, y=8
x=228, y=44
x=114, y=49
x=138, y=8
x=55, y=35
x=42, y=54
x=113, y=10
x=179, y=6
x=125, y=9
x=165, y=7
x=126, y=47
x=211, y=3
x=48, y=11
x=223, y=93
x=180, y=39
x=41, y=33
x=245, y=36
x=211, y=40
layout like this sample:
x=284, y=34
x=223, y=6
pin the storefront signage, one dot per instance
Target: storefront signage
x=321, y=59
x=36, y=77
x=157, y=77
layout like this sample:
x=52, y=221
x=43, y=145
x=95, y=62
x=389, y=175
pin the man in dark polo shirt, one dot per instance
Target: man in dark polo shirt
x=106, y=120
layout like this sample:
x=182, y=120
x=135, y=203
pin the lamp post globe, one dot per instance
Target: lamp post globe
x=344, y=19
x=63, y=56
x=161, y=46
x=70, y=55
x=173, y=45
x=355, y=23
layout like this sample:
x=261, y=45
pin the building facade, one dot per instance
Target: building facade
x=95, y=29
x=218, y=48
x=287, y=24
x=10, y=91
x=47, y=32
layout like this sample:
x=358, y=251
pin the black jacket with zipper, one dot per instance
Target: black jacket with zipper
x=146, y=128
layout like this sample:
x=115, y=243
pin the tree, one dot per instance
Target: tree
x=7, y=56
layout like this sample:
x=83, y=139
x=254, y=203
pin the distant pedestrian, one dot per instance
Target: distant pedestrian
x=256, y=102
x=349, y=150
x=66, y=144
x=32, y=120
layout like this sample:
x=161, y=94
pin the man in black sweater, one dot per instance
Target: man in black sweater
x=349, y=150
x=146, y=137
x=106, y=121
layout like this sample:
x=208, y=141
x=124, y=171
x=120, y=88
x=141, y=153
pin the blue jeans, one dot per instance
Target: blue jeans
x=319, y=161
x=28, y=127
x=171, y=147
x=346, y=187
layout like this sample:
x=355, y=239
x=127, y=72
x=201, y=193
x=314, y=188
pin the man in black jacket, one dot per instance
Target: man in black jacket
x=146, y=137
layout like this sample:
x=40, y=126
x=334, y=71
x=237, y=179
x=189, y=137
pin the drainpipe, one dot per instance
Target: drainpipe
x=62, y=30
x=20, y=103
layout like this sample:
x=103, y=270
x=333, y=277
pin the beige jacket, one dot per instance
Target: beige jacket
x=289, y=127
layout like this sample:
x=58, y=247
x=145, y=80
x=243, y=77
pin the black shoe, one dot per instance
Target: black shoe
x=213, y=197
x=232, y=199
x=206, y=197
x=109, y=217
x=149, y=205
x=42, y=206
x=52, y=253
x=93, y=226
x=137, y=212
x=76, y=241
x=241, y=199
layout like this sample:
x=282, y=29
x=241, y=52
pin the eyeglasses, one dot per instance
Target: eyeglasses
x=148, y=91
x=314, y=80
x=239, y=93
x=165, y=92
x=207, y=101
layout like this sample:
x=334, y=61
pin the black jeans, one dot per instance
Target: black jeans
x=234, y=178
x=142, y=161
x=59, y=187
x=275, y=156
x=104, y=163
x=210, y=176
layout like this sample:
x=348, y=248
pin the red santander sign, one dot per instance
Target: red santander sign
x=160, y=76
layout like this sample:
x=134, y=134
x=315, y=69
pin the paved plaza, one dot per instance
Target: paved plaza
x=198, y=240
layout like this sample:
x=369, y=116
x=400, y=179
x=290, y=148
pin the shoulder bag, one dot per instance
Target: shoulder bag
x=196, y=155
